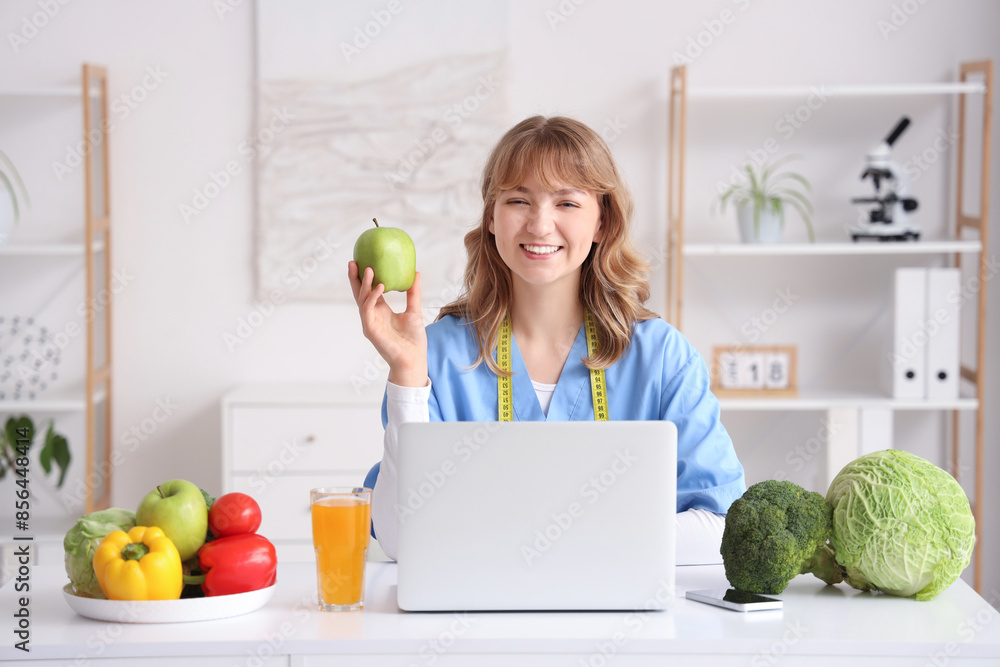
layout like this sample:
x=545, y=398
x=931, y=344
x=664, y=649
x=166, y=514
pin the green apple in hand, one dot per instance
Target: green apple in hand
x=390, y=253
x=178, y=509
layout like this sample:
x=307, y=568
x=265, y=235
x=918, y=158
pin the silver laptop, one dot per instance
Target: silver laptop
x=536, y=515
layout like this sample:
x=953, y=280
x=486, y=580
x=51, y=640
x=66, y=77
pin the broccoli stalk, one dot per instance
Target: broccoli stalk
x=775, y=532
x=824, y=565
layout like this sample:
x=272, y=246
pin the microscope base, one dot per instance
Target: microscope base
x=901, y=235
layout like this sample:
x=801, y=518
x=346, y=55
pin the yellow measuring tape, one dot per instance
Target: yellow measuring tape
x=505, y=392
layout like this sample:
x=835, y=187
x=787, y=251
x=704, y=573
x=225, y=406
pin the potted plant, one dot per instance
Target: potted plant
x=15, y=441
x=10, y=213
x=761, y=201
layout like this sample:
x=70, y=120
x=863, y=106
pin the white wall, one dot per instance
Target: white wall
x=607, y=64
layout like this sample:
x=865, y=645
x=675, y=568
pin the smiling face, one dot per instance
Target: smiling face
x=543, y=235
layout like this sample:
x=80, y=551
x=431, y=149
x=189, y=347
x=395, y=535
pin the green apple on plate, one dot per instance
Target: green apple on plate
x=390, y=253
x=178, y=509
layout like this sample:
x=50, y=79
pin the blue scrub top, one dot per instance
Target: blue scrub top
x=660, y=376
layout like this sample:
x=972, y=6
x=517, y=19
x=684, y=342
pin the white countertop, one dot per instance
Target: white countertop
x=817, y=620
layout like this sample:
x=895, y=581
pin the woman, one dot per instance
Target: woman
x=551, y=259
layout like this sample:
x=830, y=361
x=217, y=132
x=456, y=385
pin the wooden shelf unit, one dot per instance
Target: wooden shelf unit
x=975, y=79
x=95, y=396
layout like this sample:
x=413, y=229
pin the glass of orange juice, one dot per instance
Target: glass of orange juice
x=341, y=521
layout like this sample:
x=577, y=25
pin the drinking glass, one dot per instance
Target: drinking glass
x=341, y=521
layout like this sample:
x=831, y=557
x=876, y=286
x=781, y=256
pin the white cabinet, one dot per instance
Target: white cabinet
x=865, y=417
x=280, y=441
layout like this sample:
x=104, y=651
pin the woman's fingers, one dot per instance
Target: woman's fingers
x=372, y=297
x=365, y=286
x=391, y=333
x=413, y=296
x=352, y=275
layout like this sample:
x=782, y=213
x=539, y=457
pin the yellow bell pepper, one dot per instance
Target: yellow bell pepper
x=142, y=564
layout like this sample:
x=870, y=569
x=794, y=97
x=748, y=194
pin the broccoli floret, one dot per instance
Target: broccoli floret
x=775, y=532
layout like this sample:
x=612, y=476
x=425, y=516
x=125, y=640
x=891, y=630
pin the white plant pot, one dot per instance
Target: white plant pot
x=6, y=216
x=768, y=231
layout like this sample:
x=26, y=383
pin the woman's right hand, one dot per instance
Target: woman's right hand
x=399, y=337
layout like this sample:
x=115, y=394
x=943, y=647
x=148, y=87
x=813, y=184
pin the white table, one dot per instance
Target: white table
x=819, y=625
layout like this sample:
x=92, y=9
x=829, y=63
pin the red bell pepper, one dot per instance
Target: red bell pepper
x=236, y=564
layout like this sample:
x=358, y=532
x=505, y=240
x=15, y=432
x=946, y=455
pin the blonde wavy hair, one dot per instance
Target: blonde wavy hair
x=561, y=152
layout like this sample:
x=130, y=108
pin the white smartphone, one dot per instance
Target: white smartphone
x=730, y=598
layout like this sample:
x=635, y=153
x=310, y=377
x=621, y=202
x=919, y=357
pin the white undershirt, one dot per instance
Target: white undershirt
x=544, y=393
x=699, y=532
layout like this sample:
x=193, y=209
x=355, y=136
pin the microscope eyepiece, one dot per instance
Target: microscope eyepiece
x=903, y=123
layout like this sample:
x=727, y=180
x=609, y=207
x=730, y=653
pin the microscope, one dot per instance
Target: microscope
x=889, y=218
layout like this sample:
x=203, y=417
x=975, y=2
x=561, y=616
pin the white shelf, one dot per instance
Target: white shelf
x=44, y=404
x=47, y=249
x=844, y=248
x=64, y=401
x=47, y=91
x=813, y=401
x=862, y=90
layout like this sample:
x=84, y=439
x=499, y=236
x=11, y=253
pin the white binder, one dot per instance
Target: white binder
x=909, y=342
x=943, y=323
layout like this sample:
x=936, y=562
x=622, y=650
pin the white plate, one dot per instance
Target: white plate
x=168, y=611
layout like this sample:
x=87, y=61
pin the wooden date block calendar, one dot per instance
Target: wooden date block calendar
x=750, y=370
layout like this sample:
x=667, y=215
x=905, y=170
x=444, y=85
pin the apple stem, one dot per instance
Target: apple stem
x=160, y=491
x=375, y=221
